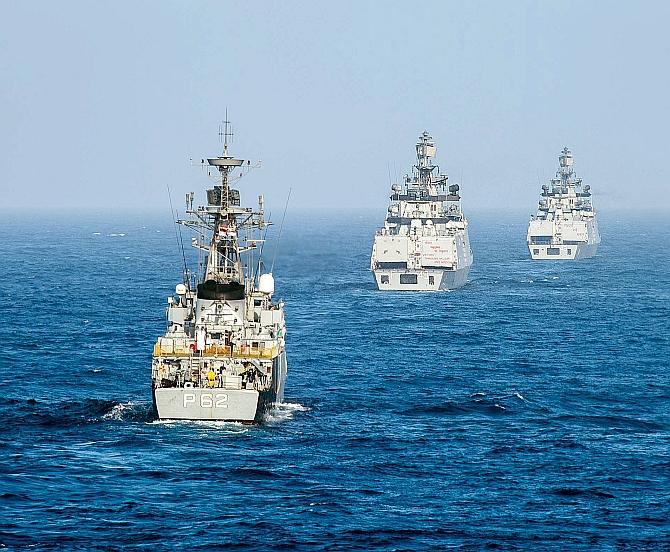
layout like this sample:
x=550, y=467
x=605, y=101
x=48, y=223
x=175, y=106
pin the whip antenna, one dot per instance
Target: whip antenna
x=281, y=228
x=177, y=233
x=260, y=253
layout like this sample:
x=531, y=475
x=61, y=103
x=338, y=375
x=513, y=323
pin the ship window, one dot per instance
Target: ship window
x=431, y=280
x=536, y=251
x=408, y=279
x=569, y=251
x=385, y=279
x=553, y=251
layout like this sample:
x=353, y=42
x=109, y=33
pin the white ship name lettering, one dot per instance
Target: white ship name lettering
x=207, y=400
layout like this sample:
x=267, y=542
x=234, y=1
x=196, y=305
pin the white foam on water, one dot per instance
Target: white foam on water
x=116, y=413
x=519, y=396
x=284, y=411
x=86, y=444
x=96, y=233
x=219, y=426
x=293, y=407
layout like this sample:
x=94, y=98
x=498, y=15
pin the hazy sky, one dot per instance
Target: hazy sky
x=103, y=103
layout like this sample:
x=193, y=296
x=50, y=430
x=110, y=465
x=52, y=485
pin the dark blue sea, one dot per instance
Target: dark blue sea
x=529, y=410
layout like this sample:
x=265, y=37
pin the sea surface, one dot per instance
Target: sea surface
x=529, y=410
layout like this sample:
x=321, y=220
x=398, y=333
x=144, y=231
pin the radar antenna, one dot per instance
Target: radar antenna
x=225, y=131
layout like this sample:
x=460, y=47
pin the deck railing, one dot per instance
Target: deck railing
x=219, y=350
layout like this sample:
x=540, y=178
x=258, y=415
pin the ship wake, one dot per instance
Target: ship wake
x=284, y=412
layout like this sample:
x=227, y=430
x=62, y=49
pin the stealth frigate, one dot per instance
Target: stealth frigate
x=424, y=242
x=565, y=226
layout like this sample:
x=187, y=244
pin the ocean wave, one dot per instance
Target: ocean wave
x=129, y=411
x=577, y=492
x=477, y=403
x=72, y=413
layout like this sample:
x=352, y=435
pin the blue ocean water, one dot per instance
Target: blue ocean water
x=528, y=410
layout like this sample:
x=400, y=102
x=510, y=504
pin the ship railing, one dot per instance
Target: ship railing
x=234, y=351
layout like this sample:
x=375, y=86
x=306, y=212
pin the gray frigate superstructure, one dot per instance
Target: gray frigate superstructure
x=565, y=226
x=424, y=242
x=223, y=354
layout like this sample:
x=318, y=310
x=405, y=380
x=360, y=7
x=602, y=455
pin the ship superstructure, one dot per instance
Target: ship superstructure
x=565, y=226
x=424, y=242
x=223, y=355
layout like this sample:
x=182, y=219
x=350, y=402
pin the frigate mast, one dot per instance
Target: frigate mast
x=224, y=218
x=223, y=262
x=425, y=151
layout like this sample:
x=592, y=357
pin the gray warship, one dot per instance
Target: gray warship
x=424, y=243
x=565, y=226
x=223, y=354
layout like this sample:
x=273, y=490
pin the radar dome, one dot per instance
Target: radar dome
x=180, y=289
x=266, y=284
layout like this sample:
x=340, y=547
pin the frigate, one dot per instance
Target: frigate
x=223, y=355
x=565, y=226
x=424, y=242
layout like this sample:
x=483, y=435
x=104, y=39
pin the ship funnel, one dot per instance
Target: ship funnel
x=266, y=284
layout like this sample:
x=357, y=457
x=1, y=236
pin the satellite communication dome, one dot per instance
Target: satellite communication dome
x=266, y=284
x=180, y=289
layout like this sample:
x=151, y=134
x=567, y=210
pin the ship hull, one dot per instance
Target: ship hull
x=544, y=243
x=563, y=252
x=219, y=404
x=426, y=280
